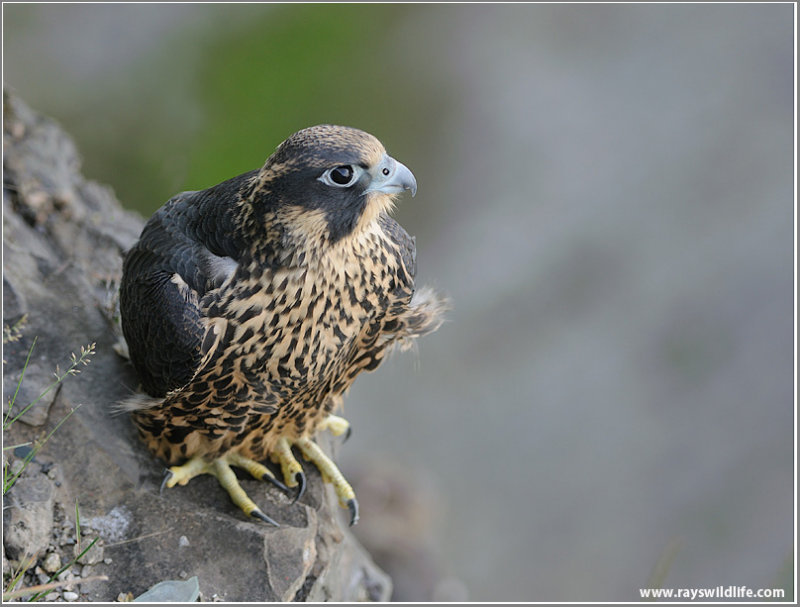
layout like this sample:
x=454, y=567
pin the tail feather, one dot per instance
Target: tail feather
x=135, y=402
x=426, y=312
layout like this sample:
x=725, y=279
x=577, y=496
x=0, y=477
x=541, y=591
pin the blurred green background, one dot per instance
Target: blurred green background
x=606, y=191
x=205, y=93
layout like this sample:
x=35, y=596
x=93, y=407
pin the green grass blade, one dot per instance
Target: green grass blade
x=72, y=562
x=13, y=400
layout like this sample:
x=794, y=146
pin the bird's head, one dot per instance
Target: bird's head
x=326, y=182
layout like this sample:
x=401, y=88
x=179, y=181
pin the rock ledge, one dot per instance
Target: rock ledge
x=63, y=238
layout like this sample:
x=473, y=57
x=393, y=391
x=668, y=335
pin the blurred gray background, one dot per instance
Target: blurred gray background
x=606, y=193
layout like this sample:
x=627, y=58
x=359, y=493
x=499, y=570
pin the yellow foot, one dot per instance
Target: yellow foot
x=221, y=469
x=331, y=474
x=336, y=425
x=293, y=472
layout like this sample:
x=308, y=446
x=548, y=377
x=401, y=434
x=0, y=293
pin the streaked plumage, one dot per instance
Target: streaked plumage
x=250, y=307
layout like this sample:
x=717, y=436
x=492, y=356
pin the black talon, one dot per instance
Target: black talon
x=275, y=482
x=260, y=515
x=352, y=506
x=347, y=434
x=164, y=482
x=300, y=477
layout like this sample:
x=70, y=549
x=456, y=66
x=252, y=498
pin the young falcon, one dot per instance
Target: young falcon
x=250, y=307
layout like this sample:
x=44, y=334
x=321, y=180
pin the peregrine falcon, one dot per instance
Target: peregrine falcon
x=249, y=308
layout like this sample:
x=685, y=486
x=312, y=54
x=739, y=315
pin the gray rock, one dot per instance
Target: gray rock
x=171, y=591
x=36, y=382
x=290, y=556
x=28, y=515
x=93, y=555
x=16, y=467
x=52, y=562
x=63, y=245
x=42, y=577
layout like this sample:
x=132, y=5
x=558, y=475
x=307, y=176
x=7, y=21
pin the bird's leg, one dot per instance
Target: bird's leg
x=331, y=474
x=293, y=473
x=336, y=425
x=220, y=469
x=257, y=470
x=180, y=475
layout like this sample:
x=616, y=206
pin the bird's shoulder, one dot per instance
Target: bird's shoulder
x=195, y=235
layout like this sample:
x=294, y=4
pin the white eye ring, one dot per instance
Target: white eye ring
x=341, y=176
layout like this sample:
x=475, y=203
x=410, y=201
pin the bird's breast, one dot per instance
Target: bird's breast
x=296, y=328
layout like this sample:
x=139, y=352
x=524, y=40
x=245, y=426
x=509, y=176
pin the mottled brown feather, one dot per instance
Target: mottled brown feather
x=300, y=316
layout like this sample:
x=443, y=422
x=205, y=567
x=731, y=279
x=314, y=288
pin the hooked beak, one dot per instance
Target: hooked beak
x=391, y=177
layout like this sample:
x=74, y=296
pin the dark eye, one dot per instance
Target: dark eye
x=342, y=175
